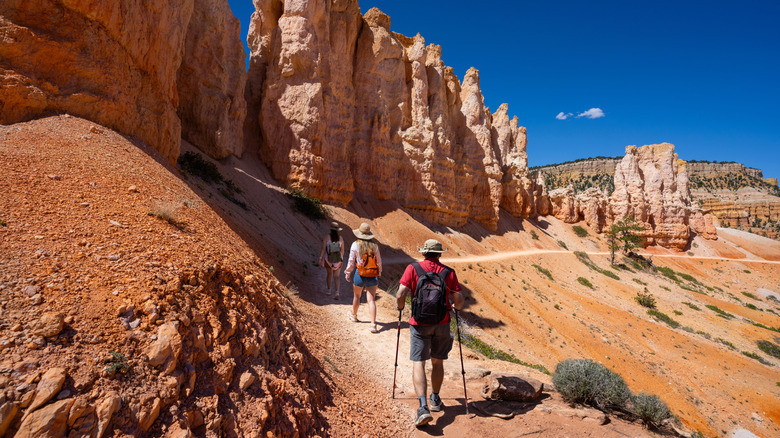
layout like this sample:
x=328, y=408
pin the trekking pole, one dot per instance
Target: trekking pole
x=462, y=369
x=397, y=341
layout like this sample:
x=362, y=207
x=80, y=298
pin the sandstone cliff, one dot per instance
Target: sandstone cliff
x=117, y=63
x=347, y=105
x=651, y=185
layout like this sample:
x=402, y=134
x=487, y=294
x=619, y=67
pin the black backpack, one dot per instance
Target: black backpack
x=429, y=303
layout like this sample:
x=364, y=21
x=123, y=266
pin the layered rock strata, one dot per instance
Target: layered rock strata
x=117, y=63
x=347, y=105
x=651, y=185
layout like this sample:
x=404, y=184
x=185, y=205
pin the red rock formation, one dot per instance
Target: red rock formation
x=651, y=185
x=211, y=81
x=350, y=106
x=116, y=63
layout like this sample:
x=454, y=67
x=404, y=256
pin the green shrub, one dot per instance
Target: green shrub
x=117, y=363
x=746, y=271
x=691, y=305
x=769, y=348
x=3, y=223
x=306, y=205
x=194, y=164
x=677, y=312
x=584, y=281
x=562, y=244
x=650, y=409
x=774, y=329
x=756, y=357
x=688, y=277
x=588, y=382
x=749, y=295
x=579, y=231
x=636, y=280
x=720, y=312
x=534, y=235
x=543, y=271
x=645, y=299
x=726, y=343
x=663, y=317
x=668, y=273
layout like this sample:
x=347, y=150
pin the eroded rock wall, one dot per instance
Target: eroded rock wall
x=651, y=185
x=347, y=105
x=117, y=63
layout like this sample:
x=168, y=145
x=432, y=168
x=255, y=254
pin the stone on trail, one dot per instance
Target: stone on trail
x=50, y=324
x=50, y=421
x=512, y=387
x=8, y=412
x=166, y=349
x=105, y=409
x=50, y=384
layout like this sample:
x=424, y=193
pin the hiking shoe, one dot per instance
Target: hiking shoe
x=336, y=296
x=353, y=317
x=423, y=416
x=373, y=328
x=435, y=403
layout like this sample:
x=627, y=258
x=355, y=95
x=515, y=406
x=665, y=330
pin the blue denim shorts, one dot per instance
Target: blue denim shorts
x=364, y=281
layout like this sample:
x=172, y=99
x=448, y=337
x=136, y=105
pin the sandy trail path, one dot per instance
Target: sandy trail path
x=513, y=254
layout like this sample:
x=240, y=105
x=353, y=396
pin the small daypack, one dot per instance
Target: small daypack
x=334, y=252
x=429, y=303
x=369, y=267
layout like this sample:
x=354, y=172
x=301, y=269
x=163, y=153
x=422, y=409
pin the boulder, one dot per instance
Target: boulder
x=8, y=412
x=49, y=324
x=50, y=421
x=512, y=387
x=106, y=407
x=164, y=352
x=50, y=384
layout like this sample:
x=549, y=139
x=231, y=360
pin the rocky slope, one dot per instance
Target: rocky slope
x=105, y=250
x=155, y=70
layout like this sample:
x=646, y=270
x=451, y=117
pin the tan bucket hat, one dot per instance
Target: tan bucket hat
x=335, y=226
x=431, y=245
x=363, y=232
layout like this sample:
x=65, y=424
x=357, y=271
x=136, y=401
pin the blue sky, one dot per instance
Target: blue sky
x=704, y=76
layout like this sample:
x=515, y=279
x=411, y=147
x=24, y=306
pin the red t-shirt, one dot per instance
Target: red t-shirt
x=409, y=279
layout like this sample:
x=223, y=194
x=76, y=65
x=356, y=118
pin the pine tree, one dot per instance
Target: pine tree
x=623, y=235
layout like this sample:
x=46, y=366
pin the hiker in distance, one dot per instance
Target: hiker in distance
x=366, y=263
x=429, y=325
x=331, y=257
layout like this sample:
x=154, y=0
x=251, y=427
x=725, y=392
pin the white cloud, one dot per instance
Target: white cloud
x=593, y=113
x=562, y=116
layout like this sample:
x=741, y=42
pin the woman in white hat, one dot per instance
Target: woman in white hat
x=331, y=257
x=364, y=255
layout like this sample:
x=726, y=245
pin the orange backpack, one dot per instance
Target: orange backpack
x=369, y=267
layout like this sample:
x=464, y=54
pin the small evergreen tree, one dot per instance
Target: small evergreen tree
x=623, y=235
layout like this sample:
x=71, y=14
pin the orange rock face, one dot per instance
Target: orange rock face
x=350, y=106
x=651, y=185
x=116, y=63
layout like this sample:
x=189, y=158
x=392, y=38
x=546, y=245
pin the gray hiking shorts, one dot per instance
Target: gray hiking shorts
x=430, y=341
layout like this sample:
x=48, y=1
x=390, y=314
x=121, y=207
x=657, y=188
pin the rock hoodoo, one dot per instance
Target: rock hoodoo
x=347, y=105
x=651, y=184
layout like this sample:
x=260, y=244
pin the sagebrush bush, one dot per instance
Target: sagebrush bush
x=579, y=231
x=769, y=348
x=585, y=282
x=645, y=299
x=588, y=382
x=650, y=409
x=309, y=206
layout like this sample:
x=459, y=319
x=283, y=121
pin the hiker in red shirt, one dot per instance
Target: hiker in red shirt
x=431, y=340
